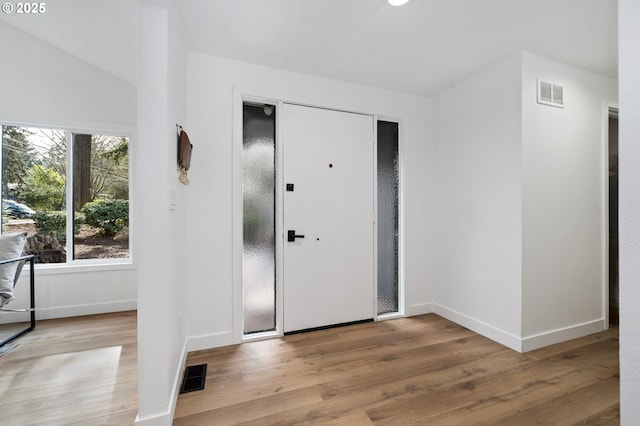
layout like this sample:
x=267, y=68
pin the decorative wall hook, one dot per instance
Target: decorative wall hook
x=184, y=154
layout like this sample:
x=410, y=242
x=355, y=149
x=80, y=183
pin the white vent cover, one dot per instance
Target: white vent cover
x=550, y=94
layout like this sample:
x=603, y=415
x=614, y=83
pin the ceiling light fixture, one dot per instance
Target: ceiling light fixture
x=397, y=2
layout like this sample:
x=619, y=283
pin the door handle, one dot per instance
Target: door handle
x=291, y=236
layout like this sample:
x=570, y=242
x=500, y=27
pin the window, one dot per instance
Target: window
x=388, y=214
x=259, y=209
x=68, y=191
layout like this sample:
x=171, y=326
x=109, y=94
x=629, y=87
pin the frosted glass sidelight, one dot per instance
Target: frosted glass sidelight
x=258, y=195
x=388, y=177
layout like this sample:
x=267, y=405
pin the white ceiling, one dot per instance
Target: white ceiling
x=422, y=47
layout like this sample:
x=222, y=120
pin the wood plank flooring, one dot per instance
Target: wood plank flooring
x=419, y=370
x=80, y=371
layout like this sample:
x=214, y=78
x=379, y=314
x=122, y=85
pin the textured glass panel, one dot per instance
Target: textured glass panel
x=387, y=217
x=258, y=189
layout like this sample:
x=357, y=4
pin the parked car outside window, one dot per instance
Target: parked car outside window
x=17, y=210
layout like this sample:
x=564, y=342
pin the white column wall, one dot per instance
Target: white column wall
x=478, y=134
x=629, y=217
x=564, y=227
x=160, y=242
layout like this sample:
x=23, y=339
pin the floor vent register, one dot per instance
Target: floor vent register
x=194, y=378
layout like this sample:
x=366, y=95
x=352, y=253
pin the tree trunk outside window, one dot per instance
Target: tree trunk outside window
x=81, y=170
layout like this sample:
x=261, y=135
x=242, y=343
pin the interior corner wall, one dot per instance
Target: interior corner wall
x=211, y=82
x=629, y=224
x=564, y=216
x=160, y=242
x=478, y=136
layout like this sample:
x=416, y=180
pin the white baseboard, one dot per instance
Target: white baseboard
x=489, y=331
x=155, y=420
x=209, y=341
x=540, y=340
x=166, y=418
x=177, y=381
x=516, y=343
x=419, y=309
x=71, y=311
x=89, y=309
x=161, y=419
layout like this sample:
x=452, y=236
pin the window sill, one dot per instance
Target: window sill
x=75, y=268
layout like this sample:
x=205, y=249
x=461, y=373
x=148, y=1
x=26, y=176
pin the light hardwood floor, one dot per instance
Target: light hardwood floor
x=420, y=370
x=80, y=371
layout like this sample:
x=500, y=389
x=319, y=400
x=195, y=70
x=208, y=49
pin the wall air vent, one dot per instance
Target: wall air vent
x=550, y=94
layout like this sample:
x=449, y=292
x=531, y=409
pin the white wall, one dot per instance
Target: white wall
x=564, y=202
x=43, y=85
x=478, y=133
x=523, y=235
x=71, y=291
x=160, y=242
x=210, y=88
x=87, y=29
x=629, y=225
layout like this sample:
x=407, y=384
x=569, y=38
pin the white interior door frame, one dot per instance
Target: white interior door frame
x=607, y=106
x=241, y=95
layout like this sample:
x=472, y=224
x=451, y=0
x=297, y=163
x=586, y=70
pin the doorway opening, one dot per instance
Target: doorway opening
x=613, y=218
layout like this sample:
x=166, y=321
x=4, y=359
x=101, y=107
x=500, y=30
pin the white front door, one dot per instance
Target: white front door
x=328, y=170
